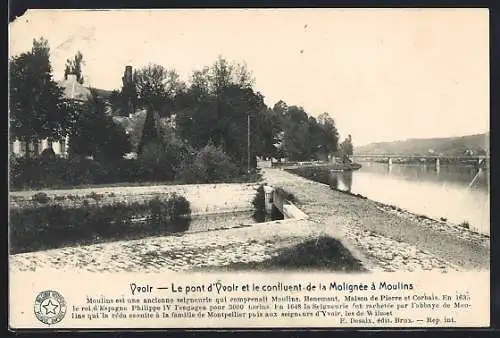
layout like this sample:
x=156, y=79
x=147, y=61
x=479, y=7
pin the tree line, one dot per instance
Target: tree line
x=211, y=108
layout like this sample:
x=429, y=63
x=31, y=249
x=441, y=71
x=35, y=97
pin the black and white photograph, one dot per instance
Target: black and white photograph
x=259, y=140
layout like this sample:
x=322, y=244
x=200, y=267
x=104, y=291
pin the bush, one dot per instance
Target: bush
x=178, y=206
x=465, y=225
x=259, y=200
x=210, y=165
x=152, y=164
x=159, y=213
x=178, y=162
x=171, y=209
x=259, y=204
x=93, y=195
x=52, y=226
x=61, y=172
x=48, y=154
x=151, y=153
x=286, y=194
x=160, y=159
x=41, y=197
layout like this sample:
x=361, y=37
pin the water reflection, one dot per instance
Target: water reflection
x=261, y=216
x=453, y=192
x=341, y=180
x=450, y=174
x=179, y=225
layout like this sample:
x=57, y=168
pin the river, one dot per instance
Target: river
x=422, y=189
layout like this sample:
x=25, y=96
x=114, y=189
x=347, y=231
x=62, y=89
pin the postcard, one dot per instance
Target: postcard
x=249, y=168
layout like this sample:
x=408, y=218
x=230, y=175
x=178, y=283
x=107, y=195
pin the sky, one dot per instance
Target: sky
x=382, y=74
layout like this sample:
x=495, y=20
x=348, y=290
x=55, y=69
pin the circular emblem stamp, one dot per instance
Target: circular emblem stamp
x=50, y=307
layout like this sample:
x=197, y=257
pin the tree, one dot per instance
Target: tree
x=346, y=149
x=280, y=108
x=117, y=103
x=200, y=82
x=296, y=142
x=220, y=98
x=128, y=94
x=124, y=101
x=221, y=75
x=36, y=106
x=317, y=138
x=96, y=134
x=151, y=94
x=74, y=66
x=298, y=136
x=151, y=133
x=243, y=76
x=150, y=86
x=331, y=135
x=161, y=92
x=270, y=134
x=279, y=114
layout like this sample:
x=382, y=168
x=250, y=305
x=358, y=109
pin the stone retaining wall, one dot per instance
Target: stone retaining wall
x=204, y=198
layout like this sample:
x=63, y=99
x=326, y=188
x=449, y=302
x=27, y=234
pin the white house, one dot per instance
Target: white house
x=73, y=90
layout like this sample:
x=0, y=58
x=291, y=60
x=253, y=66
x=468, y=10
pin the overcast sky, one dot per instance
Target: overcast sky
x=381, y=74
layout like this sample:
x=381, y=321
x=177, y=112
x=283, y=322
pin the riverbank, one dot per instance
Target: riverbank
x=343, y=233
x=429, y=195
x=326, y=165
x=390, y=237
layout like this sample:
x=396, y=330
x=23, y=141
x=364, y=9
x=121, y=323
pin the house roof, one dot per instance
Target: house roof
x=74, y=90
x=134, y=125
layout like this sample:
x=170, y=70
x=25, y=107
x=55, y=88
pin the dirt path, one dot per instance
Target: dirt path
x=383, y=235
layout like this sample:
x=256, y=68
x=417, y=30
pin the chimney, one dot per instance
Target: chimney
x=127, y=83
x=127, y=77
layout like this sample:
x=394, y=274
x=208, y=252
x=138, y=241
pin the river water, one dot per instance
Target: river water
x=422, y=189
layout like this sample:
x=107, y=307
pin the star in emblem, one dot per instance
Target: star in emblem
x=50, y=307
